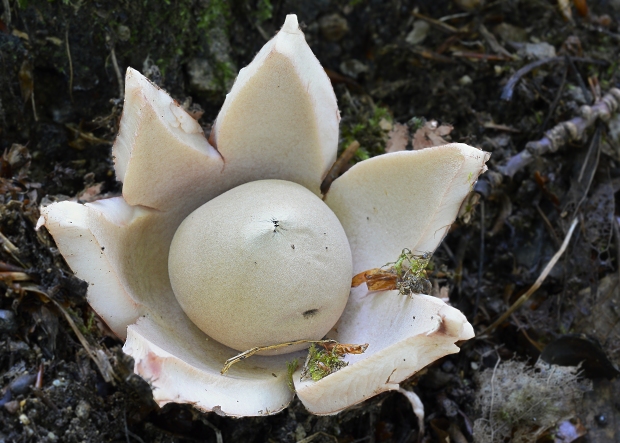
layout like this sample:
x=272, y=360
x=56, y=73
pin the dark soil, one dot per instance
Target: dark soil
x=61, y=68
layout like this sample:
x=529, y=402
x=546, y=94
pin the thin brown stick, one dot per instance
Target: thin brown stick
x=539, y=281
x=11, y=249
x=494, y=44
x=481, y=56
x=557, y=98
x=344, y=158
x=14, y=276
x=549, y=226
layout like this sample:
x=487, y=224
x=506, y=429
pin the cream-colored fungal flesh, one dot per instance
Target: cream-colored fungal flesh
x=265, y=263
x=404, y=199
x=158, y=140
x=183, y=366
x=404, y=334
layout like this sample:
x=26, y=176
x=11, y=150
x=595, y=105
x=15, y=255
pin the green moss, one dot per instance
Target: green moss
x=264, y=10
x=416, y=123
x=216, y=13
x=225, y=74
x=366, y=129
x=91, y=321
x=76, y=315
x=291, y=367
x=321, y=363
x=411, y=272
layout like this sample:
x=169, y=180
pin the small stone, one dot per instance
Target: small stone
x=51, y=436
x=82, y=410
x=537, y=51
x=333, y=27
x=8, y=322
x=614, y=128
x=465, y=80
x=21, y=384
x=447, y=366
x=24, y=419
x=385, y=125
x=418, y=33
x=353, y=68
x=18, y=346
x=201, y=76
x=510, y=33
x=11, y=406
x=124, y=33
x=56, y=383
x=578, y=95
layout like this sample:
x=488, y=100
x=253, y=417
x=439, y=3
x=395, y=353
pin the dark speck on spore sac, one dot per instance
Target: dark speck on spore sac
x=310, y=313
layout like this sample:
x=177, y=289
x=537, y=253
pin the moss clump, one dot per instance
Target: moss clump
x=366, y=127
x=291, y=367
x=320, y=363
x=263, y=11
x=411, y=272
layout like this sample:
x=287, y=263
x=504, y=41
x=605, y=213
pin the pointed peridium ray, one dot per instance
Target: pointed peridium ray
x=157, y=141
x=280, y=120
x=403, y=199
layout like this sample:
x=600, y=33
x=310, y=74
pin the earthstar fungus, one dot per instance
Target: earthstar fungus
x=277, y=256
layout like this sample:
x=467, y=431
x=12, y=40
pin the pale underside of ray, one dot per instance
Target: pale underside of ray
x=404, y=334
x=120, y=250
x=403, y=200
x=68, y=222
x=117, y=249
x=161, y=154
x=183, y=366
x=280, y=120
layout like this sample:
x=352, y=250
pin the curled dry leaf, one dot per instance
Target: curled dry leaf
x=431, y=134
x=398, y=138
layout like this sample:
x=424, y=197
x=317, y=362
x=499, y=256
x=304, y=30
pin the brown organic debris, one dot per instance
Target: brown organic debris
x=407, y=275
x=431, y=134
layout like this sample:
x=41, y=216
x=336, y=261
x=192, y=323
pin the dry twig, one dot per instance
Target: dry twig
x=565, y=132
x=338, y=165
